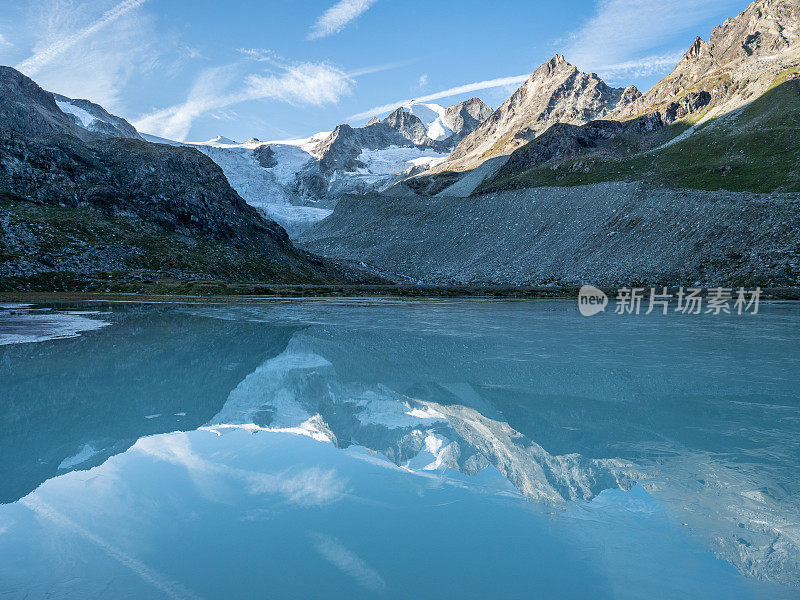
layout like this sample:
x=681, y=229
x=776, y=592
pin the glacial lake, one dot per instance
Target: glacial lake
x=382, y=449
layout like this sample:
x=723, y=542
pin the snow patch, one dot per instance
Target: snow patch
x=83, y=116
x=394, y=160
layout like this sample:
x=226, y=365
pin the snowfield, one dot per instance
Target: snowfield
x=434, y=119
x=84, y=117
x=394, y=160
x=269, y=189
x=273, y=189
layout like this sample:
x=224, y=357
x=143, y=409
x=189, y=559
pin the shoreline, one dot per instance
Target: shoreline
x=233, y=293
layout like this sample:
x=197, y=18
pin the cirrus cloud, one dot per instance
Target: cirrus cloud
x=627, y=37
x=337, y=17
x=54, y=48
x=303, y=84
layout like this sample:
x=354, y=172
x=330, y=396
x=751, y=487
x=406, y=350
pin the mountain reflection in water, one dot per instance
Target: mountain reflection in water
x=619, y=432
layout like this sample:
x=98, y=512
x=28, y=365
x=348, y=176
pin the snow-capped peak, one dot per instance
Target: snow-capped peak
x=222, y=140
x=433, y=116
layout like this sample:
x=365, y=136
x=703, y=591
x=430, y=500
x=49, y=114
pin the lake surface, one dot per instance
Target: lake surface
x=398, y=450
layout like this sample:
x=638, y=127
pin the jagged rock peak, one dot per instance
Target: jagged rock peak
x=695, y=49
x=739, y=61
x=556, y=92
x=408, y=124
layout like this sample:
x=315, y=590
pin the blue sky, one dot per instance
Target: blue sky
x=194, y=69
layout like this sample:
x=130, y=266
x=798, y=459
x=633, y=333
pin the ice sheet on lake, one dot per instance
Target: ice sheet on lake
x=20, y=325
x=81, y=457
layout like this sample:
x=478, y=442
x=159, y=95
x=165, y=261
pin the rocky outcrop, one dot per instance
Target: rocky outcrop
x=28, y=110
x=94, y=117
x=463, y=118
x=739, y=62
x=407, y=125
x=557, y=92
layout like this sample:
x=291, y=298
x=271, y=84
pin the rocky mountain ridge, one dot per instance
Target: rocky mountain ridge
x=696, y=181
x=342, y=150
x=47, y=159
x=557, y=92
x=735, y=94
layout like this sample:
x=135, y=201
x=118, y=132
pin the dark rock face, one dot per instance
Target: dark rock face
x=465, y=117
x=265, y=156
x=46, y=158
x=30, y=111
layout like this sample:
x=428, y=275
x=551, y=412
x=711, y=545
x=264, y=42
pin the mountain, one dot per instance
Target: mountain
x=739, y=62
x=557, y=92
x=429, y=131
x=78, y=204
x=727, y=117
x=298, y=182
x=695, y=181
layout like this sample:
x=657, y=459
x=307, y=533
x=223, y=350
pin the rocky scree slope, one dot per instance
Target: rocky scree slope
x=171, y=193
x=608, y=234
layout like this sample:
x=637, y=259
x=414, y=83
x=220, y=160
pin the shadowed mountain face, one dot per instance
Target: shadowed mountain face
x=47, y=158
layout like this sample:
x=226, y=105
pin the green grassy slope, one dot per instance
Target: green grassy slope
x=756, y=149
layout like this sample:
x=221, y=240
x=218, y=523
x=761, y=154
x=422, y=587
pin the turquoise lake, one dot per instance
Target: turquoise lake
x=387, y=449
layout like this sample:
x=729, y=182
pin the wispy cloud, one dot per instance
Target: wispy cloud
x=86, y=50
x=632, y=34
x=313, y=486
x=642, y=67
x=347, y=562
x=4, y=41
x=303, y=84
x=423, y=80
x=337, y=17
x=62, y=44
x=455, y=91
